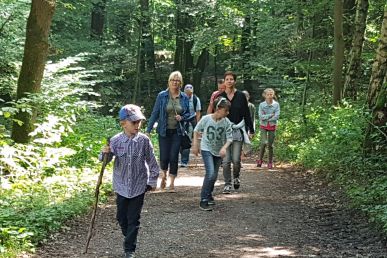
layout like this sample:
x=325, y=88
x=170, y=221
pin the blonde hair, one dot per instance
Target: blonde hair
x=174, y=75
x=267, y=90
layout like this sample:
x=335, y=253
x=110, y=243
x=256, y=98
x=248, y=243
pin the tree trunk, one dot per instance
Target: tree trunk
x=183, y=60
x=339, y=52
x=354, y=67
x=98, y=19
x=377, y=93
x=349, y=9
x=246, y=53
x=139, y=68
x=199, y=69
x=34, y=60
x=379, y=68
x=148, y=45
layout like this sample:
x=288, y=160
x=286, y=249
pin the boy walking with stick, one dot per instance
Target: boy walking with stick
x=135, y=172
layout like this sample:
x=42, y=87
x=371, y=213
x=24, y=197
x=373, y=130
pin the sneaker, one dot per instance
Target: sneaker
x=183, y=165
x=270, y=165
x=227, y=189
x=204, y=206
x=237, y=183
x=129, y=255
x=211, y=202
x=259, y=163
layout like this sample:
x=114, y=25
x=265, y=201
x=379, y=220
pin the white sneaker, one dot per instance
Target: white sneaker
x=227, y=189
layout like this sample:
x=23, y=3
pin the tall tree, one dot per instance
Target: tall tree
x=183, y=60
x=377, y=93
x=339, y=52
x=246, y=53
x=34, y=60
x=200, y=66
x=98, y=18
x=353, y=71
x=147, y=45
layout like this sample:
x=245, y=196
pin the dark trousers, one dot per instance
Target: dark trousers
x=169, y=151
x=128, y=216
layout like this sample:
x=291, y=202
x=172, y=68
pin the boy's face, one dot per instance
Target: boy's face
x=223, y=112
x=131, y=127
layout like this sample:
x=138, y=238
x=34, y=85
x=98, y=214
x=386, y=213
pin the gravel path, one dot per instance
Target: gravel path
x=276, y=213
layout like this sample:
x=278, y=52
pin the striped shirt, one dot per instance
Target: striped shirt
x=135, y=164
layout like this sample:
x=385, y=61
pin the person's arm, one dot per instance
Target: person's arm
x=152, y=164
x=246, y=113
x=196, y=136
x=155, y=114
x=223, y=150
x=262, y=114
x=210, y=108
x=198, y=109
x=275, y=115
x=195, y=143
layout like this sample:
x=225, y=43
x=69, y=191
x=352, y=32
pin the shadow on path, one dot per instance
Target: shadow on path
x=275, y=213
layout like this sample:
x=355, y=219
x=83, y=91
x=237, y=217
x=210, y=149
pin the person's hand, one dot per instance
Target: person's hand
x=106, y=149
x=178, y=118
x=222, y=152
x=251, y=135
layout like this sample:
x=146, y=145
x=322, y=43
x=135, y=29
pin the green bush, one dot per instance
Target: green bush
x=331, y=141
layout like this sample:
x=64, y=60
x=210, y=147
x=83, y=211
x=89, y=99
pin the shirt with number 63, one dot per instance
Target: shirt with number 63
x=214, y=133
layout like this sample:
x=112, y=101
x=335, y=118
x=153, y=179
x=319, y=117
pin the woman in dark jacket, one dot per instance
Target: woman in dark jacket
x=171, y=108
x=239, y=112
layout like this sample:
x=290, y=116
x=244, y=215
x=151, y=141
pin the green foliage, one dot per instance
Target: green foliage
x=331, y=141
x=39, y=187
x=89, y=135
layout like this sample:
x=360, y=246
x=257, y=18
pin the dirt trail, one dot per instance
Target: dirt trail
x=276, y=213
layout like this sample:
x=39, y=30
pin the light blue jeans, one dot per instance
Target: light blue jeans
x=211, y=164
x=233, y=155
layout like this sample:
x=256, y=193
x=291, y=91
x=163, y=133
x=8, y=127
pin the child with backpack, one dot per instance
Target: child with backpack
x=268, y=113
x=216, y=135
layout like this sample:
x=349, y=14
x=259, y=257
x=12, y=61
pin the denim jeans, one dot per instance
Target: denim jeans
x=267, y=138
x=128, y=216
x=211, y=164
x=233, y=155
x=169, y=151
x=184, y=156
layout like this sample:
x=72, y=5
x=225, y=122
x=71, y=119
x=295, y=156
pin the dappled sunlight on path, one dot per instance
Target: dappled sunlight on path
x=279, y=212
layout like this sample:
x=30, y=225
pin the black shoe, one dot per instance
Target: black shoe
x=204, y=206
x=129, y=255
x=211, y=202
x=227, y=189
x=237, y=183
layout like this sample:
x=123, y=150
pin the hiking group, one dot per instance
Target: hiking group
x=221, y=137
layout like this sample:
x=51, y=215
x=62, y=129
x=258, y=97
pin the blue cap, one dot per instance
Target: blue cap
x=131, y=113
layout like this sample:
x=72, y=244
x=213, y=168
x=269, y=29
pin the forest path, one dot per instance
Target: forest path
x=276, y=213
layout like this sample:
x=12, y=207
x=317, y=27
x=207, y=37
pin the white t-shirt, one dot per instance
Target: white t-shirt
x=214, y=133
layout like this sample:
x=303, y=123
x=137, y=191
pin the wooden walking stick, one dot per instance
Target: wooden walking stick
x=95, y=206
